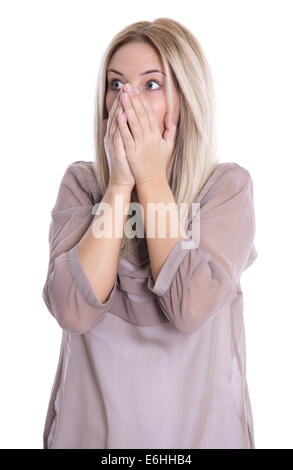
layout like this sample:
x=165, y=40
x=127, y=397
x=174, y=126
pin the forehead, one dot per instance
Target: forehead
x=134, y=55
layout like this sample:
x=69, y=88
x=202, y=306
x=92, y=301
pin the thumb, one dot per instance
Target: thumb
x=170, y=128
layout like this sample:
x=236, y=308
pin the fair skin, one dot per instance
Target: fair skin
x=139, y=151
x=131, y=60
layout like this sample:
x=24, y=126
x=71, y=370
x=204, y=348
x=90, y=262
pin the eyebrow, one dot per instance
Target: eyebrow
x=144, y=73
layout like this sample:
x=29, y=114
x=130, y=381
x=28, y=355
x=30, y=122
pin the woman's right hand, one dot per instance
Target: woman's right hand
x=120, y=172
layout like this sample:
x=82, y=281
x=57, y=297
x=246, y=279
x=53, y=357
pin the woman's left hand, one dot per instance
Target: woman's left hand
x=147, y=152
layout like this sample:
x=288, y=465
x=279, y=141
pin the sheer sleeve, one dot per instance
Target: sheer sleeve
x=67, y=292
x=195, y=283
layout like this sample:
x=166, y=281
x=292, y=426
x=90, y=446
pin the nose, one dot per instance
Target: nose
x=128, y=87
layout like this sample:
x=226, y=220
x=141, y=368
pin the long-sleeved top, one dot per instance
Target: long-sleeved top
x=159, y=364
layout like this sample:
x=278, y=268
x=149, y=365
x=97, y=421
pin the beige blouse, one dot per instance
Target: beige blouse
x=158, y=365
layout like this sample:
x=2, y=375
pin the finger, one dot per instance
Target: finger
x=107, y=124
x=118, y=142
x=113, y=111
x=150, y=113
x=111, y=118
x=125, y=134
x=134, y=123
x=139, y=110
x=115, y=124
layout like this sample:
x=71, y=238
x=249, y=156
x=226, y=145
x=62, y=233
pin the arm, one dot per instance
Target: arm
x=159, y=248
x=69, y=294
x=194, y=284
x=99, y=256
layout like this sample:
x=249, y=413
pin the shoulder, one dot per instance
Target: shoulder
x=78, y=186
x=87, y=176
x=229, y=178
x=230, y=171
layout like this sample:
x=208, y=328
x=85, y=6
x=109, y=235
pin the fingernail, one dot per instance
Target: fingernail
x=128, y=87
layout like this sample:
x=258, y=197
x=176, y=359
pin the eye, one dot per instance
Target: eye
x=154, y=81
x=149, y=81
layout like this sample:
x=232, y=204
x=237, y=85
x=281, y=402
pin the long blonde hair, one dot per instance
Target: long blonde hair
x=195, y=150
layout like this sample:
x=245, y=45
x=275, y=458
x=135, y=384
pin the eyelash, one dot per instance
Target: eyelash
x=155, y=89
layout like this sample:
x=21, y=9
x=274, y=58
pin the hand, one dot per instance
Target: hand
x=119, y=170
x=148, y=153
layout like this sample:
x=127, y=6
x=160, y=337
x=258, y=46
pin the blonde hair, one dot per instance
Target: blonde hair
x=194, y=156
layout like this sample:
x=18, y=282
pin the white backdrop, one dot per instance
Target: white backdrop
x=50, y=54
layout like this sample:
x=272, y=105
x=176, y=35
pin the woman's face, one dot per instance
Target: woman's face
x=132, y=60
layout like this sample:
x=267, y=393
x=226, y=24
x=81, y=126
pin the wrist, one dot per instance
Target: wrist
x=118, y=188
x=152, y=184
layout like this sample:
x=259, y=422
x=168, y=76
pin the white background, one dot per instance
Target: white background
x=50, y=55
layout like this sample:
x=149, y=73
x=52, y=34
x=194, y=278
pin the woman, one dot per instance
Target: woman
x=153, y=345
